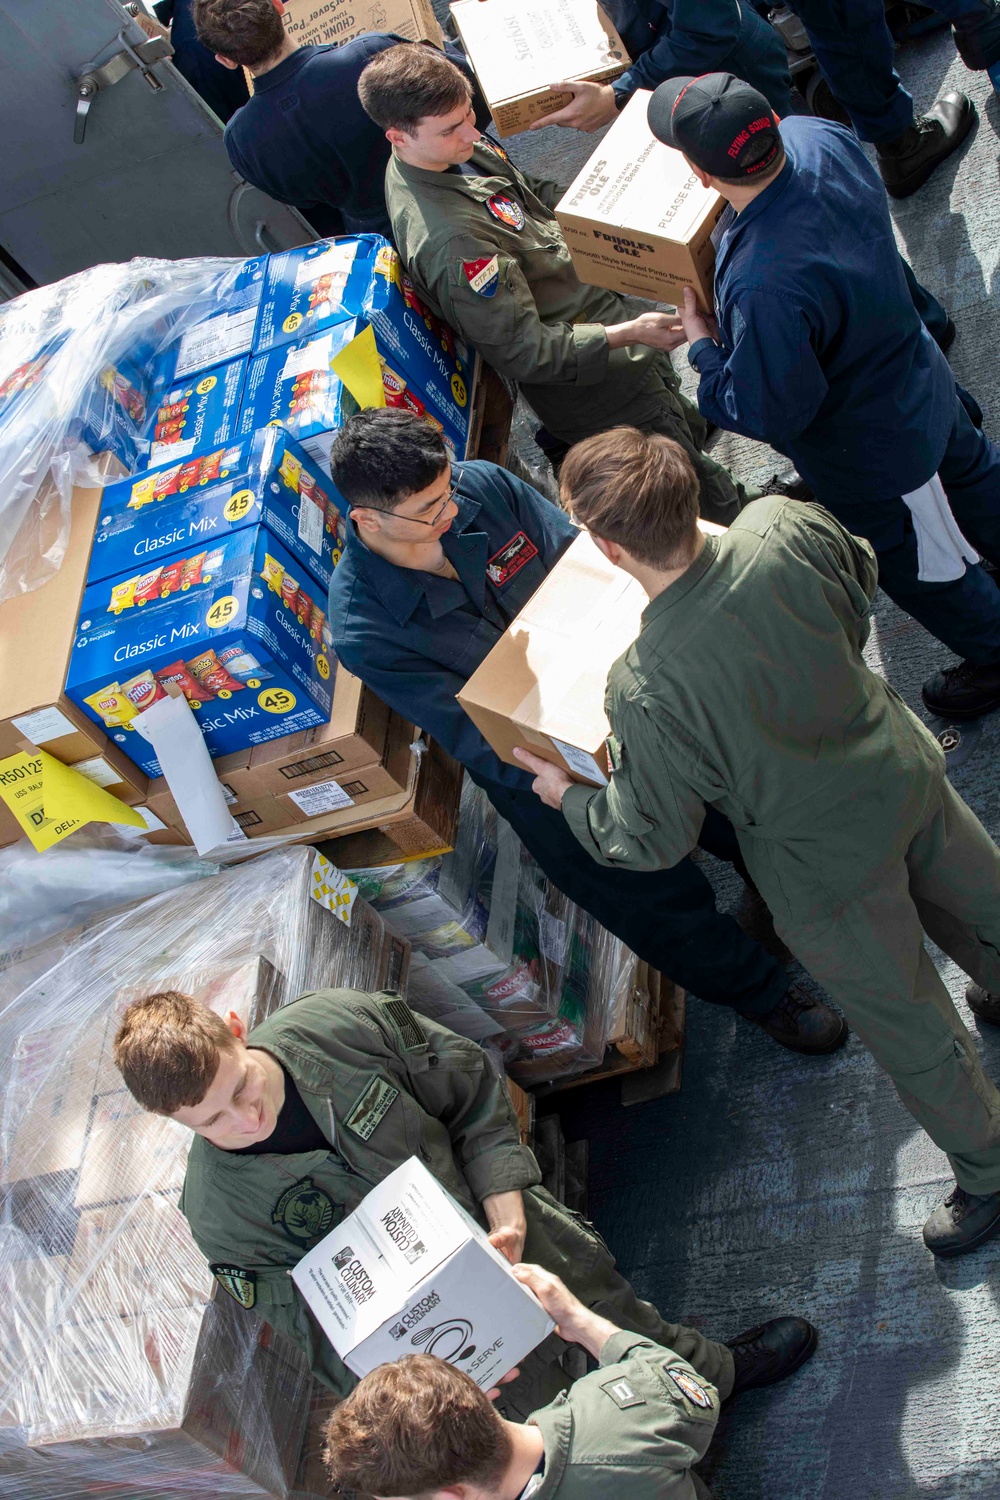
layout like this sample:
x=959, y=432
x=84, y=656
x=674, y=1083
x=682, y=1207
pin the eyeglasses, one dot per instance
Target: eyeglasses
x=456, y=479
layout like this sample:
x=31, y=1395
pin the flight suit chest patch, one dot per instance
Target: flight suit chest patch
x=241, y=1285
x=689, y=1387
x=511, y=558
x=483, y=275
x=405, y=1023
x=304, y=1212
x=623, y=1393
x=506, y=211
x=369, y=1111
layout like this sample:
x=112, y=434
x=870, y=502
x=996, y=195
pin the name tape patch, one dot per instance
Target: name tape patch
x=511, y=558
x=370, y=1110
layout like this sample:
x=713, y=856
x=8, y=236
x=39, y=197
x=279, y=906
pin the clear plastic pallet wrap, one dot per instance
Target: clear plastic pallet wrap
x=120, y=1372
x=74, y=361
x=499, y=954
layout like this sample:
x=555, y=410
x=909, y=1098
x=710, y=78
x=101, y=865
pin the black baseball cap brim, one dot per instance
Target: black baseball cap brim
x=660, y=110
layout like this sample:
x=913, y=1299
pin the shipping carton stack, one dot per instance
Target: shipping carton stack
x=499, y=954
x=519, y=52
x=113, y=1343
x=636, y=219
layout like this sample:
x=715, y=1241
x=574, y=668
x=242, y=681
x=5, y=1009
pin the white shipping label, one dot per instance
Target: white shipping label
x=552, y=937
x=218, y=339
x=44, y=725
x=129, y=830
x=171, y=450
x=311, y=518
x=324, y=797
x=332, y=888
x=579, y=761
x=312, y=356
x=335, y=263
x=98, y=771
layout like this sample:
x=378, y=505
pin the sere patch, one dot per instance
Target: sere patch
x=241, y=1285
x=369, y=1111
x=623, y=1393
x=511, y=558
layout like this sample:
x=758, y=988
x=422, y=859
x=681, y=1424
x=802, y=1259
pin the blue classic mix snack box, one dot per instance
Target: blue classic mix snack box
x=240, y=636
x=114, y=413
x=318, y=286
x=149, y=518
x=219, y=329
x=296, y=386
x=192, y=413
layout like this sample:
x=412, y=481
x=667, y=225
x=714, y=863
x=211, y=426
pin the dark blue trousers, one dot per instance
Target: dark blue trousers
x=964, y=615
x=855, y=49
x=667, y=917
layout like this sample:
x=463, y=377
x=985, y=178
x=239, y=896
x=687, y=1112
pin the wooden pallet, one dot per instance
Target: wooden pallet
x=650, y=1031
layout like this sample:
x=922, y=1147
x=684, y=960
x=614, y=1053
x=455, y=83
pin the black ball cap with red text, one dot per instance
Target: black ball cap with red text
x=720, y=123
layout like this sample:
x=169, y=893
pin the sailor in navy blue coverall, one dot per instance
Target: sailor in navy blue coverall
x=415, y=637
x=821, y=354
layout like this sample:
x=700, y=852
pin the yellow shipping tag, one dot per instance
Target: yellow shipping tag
x=360, y=368
x=50, y=800
x=332, y=889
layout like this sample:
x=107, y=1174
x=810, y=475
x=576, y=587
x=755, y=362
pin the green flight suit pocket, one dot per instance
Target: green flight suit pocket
x=484, y=319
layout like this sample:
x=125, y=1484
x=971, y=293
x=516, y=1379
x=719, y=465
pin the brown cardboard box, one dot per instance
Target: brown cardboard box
x=519, y=51
x=340, y=20
x=133, y=1257
x=129, y=1152
x=51, y=1105
x=357, y=735
x=636, y=219
x=36, y=637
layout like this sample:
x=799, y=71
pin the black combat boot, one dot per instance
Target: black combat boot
x=963, y=692
x=962, y=1223
x=906, y=163
x=803, y=1024
x=766, y=1354
x=984, y=1004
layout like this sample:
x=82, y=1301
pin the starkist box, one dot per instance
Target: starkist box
x=410, y=1272
x=246, y=647
x=318, y=286
x=177, y=507
x=519, y=51
x=311, y=22
x=637, y=219
x=201, y=410
x=218, y=329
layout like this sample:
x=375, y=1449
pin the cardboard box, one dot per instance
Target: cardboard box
x=355, y=736
x=130, y=1152
x=542, y=685
x=317, y=21
x=409, y=1271
x=113, y=415
x=200, y=411
x=519, y=51
x=636, y=219
x=277, y=676
x=317, y=286
x=295, y=386
x=178, y=507
x=133, y=1257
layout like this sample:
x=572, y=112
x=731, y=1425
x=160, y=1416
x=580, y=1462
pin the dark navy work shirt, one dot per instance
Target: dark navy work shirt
x=304, y=138
x=415, y=638
x=822, y=354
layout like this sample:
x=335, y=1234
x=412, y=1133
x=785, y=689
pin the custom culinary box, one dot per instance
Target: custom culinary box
x=637, y=219
x=177, y=507
x=519, y=51
x=240, y=635
x=318, y=286
x=410, y=1272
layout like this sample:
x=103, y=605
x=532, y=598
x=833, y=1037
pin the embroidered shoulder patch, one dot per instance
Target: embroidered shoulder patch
x=691, y=1389
x=506, y=211
x=623, y=1393
x=405, y=1022
x=483, y=275
x=369, y=1111
x=304, y=1212
x=241, y=1285
x=511, y=558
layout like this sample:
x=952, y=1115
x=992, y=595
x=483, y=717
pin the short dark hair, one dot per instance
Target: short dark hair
x=757, y=151
x=167, y=1049
x=416, y=1426
x=248, y=32
x=381, y=455
x=637, y=489
x=409, y=83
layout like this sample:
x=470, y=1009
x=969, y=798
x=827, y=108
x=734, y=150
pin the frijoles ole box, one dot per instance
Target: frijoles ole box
x=519, y=51
x=149, y=519
x=542, y=685
x=410, y=1272
x=309, y=22
x=637, y=219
